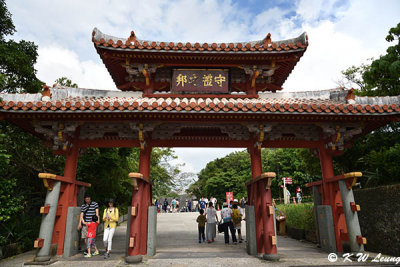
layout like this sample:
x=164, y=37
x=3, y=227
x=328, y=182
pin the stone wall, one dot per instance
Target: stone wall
x=380, y=218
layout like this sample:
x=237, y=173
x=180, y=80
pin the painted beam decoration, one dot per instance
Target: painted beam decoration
x=200, y=81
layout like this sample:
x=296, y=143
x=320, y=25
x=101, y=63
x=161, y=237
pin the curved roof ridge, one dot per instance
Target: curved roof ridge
x=300, y=41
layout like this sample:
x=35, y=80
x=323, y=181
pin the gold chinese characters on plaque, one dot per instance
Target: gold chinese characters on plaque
x=206, y=81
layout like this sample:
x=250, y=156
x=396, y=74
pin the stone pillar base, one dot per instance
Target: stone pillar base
x=134, y=259
x=42, y=258
x=270, y=257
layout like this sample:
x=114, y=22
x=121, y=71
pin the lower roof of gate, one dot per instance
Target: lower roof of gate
x=77, y=100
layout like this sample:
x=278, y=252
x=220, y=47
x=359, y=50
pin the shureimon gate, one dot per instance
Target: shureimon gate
x=199, y=95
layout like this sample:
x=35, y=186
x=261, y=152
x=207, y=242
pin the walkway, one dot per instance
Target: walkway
x=178, y=246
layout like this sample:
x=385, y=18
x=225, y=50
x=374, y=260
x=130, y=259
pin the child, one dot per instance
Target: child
x=91, y=235
x=201, y=219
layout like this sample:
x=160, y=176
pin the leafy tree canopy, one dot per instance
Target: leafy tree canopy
x=17, y=59
x=382, y=76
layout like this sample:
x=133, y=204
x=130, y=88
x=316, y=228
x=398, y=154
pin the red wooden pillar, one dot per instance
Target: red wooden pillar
x=141, y=200
x=262, y=201
x=67, y=199
x=331, y=196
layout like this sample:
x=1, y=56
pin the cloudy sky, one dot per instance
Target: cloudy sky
x=341, y=33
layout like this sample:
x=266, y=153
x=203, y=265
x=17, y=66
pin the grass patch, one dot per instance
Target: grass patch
x=300, y=216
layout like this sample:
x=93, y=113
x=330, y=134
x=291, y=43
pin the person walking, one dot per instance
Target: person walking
x=242, y=203
x=88, y=209
x=201, y=220
x=226, y=215
x=212, y=219
x=165, y=205
x=202, y=203
x=298, y=194
x=91, y=236
x=237, y=215
x=173, y=203
x=110, y=218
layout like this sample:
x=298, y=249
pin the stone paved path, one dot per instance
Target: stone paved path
x=177, y=245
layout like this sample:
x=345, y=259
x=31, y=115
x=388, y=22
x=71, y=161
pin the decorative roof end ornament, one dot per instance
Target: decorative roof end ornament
x=350, y=97
x=46, y=94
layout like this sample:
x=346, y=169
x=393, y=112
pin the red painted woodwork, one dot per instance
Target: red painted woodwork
x=261, y=199
x=67, y=199
x=331, y=196
x=141, y=199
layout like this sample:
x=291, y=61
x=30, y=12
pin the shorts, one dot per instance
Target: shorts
x=91, y=242
x=84, y=232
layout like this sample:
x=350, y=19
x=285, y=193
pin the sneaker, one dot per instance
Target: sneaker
x=106, y=255
x=209, y=241
x=85, y=252
x=199, y=241
x=240, y=241
x=87, y=256
x=95, y=253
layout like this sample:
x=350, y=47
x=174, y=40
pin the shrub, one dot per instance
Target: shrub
x=299, y=216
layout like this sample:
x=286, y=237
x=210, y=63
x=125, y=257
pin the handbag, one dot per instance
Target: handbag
x=220, y=227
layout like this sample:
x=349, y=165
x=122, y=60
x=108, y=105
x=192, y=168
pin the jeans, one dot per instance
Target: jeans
x=226, y=234
x=201, y=233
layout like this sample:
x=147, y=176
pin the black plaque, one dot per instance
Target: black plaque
x=200, y=81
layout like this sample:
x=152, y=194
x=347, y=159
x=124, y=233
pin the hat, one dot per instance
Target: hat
x=225, y=204
x=111, y=200
x=235, y=200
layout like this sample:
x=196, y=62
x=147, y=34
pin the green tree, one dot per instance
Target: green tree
x=17, y=59
x=64, y=81
x=383, y=77
x=375, y=153
x=230, y=173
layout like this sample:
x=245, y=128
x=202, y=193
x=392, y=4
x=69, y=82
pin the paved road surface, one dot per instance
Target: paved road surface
x=177, y=245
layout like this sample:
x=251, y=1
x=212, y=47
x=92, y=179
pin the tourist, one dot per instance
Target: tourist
x=201, y=220
x=226, y=215
x=230, y=204
x=243, y=203
x=214, y=202
x=110, y=218
x=91, y=236
x=202, y=203
x=173, y=203
x=237, y=214
x=298, y=194
x=190, y=205
x=288, y=195
x=156, y=204
x=88, y=209
x=212, y=219
x=165, y=205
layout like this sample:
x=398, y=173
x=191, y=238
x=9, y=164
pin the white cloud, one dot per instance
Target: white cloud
x=196, y=159
x=55, y=62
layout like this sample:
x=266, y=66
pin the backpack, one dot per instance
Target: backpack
x=236, y=216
